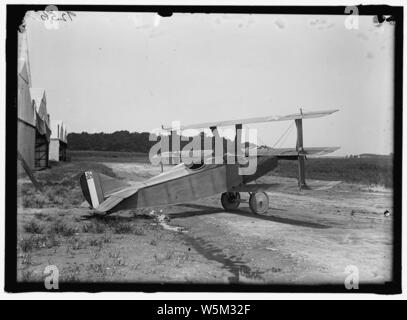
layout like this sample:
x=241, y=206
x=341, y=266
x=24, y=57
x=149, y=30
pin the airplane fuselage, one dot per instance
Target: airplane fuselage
x=183, y=184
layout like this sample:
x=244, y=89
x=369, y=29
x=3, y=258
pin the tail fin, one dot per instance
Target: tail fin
x=92, y=188
x=97, y=187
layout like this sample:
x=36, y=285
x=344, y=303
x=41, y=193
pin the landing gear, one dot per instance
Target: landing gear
x=230, y=200
x=259, y=202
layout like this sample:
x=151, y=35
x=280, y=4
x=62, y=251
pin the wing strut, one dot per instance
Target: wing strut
x=301, y=156
x=238, y=140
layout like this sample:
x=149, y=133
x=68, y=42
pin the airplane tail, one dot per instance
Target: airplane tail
x=97, y=187
x=92, y=188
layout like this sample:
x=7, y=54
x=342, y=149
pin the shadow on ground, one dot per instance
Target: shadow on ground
x=204, y=210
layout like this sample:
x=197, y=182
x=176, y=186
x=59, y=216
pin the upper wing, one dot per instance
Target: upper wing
x=294, y=116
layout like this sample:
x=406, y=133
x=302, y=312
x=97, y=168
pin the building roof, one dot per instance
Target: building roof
x=38, y=95
x=25, y=106
x=23, y=60
x=40, y=103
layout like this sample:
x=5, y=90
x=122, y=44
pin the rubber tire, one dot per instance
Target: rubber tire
x=259, y=202
x=229, y=204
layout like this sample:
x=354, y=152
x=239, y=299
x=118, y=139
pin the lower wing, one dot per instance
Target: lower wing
x=292, y=152
x=316, y=185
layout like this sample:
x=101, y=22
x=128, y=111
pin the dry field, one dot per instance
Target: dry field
x=306, y=237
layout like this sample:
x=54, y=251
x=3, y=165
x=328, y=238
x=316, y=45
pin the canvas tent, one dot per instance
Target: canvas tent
x=26, y=123
x=58, y=144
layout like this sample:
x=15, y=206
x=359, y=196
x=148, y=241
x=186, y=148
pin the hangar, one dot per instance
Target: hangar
x=26, y=123
x=58, y=143
x=33, y=120
x=43, y=131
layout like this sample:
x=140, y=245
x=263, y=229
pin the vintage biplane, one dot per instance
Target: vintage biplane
x=185, y=183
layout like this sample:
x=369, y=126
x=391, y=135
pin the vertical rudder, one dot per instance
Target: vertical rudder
x=92, y=188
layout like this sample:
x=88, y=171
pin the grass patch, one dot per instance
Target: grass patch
x=71, y=273
x=111, y=223
x=111, y=156
x=33, y=227
x=107, y=238
x=33, y=199
x=160, y=259
x=35, y=242
x=138, y=231
x=100, y=241
x=96, y=242
x=58, y=227
x=122, y=228
x=26, y=245
x=43, y=217
x=116, y=259
x=60, y=185
x=376, y=171
x=97, y=270
x=28, y=276
x=94, y=227
x=76, y=244
x=26, y=259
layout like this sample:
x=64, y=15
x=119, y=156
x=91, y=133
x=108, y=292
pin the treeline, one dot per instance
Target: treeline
x=116, y=141
x=123, y=141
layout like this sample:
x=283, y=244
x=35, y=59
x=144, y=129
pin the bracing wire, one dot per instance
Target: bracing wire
x=284, y=135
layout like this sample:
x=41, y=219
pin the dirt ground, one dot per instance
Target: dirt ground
x=307, y=237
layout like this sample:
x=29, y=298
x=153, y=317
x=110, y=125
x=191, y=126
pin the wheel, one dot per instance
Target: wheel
x=259, y=202
x=230, y=200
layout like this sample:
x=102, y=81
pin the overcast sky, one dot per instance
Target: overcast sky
x=127, y=71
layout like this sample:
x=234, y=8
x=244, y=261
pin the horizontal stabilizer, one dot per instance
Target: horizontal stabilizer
x=294, y=116
x=97, y=187
x=114, y=199
x=85, y=204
